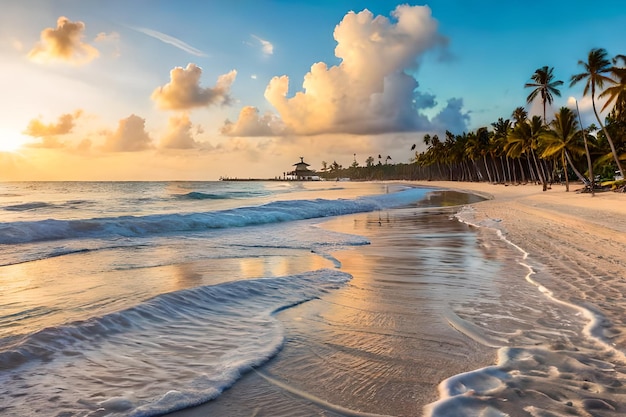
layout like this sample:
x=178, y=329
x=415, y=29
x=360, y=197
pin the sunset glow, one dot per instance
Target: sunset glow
x=243, y=90
x=11, y=141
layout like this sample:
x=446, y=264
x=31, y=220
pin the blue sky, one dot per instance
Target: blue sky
x=95, y=113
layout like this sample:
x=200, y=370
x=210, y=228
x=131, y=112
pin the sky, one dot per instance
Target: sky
x=189, y=90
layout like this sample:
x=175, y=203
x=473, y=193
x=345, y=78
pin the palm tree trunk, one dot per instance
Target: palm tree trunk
x=541, y=177
x=544, y=171
x=580, y=176
x=496, y=174
x=508, y=167
x=479, y=175
x=608, y=137
x=589, y=164
x=487, y=168
x=531, y=172
x=565, y=171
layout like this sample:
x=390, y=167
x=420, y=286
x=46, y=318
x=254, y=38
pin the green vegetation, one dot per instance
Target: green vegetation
x=523, y=149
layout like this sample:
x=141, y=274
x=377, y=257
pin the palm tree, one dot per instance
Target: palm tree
x=472, y=152
x=544, y=85
x=596, y=67
x=617, y=92
x=563, y=139
x=520, y=115
x=586, y=137
x=524, y=140
x=501, y=130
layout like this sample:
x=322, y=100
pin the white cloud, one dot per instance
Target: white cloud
x=370, y=91
x=266, y=46
x=170, y=40
x=184, y=91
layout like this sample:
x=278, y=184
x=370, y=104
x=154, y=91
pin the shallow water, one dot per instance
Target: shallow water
x=440, y=319
x=297, y=299
x=110, y=310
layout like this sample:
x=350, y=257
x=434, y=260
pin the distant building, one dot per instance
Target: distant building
x=302, y=172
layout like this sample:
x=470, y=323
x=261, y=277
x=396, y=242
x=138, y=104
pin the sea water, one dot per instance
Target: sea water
x=142, y=298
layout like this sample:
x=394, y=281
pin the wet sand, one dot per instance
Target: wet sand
x=383, y=344
x=578, y=238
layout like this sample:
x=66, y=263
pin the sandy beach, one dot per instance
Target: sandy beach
x=570, y=234
x=548, y=345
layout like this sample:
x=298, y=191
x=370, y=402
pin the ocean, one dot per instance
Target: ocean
x=264, y=298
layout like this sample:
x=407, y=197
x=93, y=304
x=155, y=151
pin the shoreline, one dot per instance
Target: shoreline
x=575, y=248
x=578, y=240
x=575, y=245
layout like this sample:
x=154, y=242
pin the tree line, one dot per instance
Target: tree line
x=524, y=149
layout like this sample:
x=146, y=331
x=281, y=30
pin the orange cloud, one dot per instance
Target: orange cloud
x=178, y=135
x=37, y=129
x=64, y=44
x=184, y=92
x=49, y=132
x=251, y=123
x=49, y=142
x=130, y=136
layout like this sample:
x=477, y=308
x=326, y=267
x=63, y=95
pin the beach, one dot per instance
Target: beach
x=542, y=336
x=311, y=299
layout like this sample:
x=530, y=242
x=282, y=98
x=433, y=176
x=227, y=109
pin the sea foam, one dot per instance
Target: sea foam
x=133, y=226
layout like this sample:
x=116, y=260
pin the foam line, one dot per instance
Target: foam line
x=592, y=329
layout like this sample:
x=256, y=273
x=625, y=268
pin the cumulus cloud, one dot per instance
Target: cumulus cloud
x=64, y=44
x=452, y=117
x=184, y=92
x=130, y=136
x=178, y=135
x=48, y=133
x=266, y=46
x=64, y=125
x=371, y=90
x=251, y=123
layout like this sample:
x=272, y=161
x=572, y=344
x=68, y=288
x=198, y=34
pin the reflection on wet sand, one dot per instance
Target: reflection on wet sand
x=382, y=344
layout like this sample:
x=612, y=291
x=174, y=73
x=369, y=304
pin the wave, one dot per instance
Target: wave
x=227, y=195
x=139, y=226
x=198, y=341
x=196, y=195
x=27, y=206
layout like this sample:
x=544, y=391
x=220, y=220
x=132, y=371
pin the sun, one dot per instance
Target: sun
x=11, y=141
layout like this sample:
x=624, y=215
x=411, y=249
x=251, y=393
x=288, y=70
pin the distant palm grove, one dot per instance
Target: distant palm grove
x=522, y=149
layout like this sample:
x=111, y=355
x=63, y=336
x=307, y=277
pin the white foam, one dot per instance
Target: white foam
x=473, y=393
